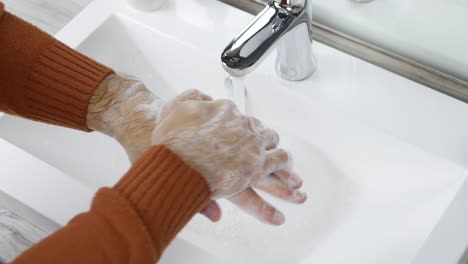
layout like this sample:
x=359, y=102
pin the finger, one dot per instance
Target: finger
x=188, y=95
x=277, y=160
x=224, y=104
x=250, y=202
x=272, y=185
x=271, y=138
x=193, y=94
x=212, y=211
x=256, y=124
x=291, y=179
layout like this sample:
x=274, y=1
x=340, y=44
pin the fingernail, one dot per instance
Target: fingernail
x=295, y=181
x=278, y=218
x=208, y=211
x=300, y=197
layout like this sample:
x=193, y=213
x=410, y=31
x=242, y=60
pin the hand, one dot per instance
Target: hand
x=233, y=152
x=126, y=110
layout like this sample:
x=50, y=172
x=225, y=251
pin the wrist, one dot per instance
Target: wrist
x=123, y=108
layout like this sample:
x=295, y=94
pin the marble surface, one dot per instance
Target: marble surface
x=17, y=235
x=20, y=227
x=48, y=15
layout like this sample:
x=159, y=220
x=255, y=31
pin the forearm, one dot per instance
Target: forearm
x=133, y=222
x=41, y=78
x=111, y=232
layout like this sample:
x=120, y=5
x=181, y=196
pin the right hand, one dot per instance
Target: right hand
x=232, y=151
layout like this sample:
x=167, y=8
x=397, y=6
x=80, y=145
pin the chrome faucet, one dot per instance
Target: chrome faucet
x=287, y=23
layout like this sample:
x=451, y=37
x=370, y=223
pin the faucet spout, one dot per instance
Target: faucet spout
x=285, y=24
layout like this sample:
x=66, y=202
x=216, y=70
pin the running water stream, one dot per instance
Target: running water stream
x=236, y=91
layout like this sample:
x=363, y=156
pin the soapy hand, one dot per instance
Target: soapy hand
x=235, y=153
x=126, y=110
x=123, y=108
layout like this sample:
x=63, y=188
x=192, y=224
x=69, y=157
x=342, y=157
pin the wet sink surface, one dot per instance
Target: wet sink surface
x=378, y=171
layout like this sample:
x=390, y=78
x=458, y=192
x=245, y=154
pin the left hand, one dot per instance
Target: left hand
x=235, y=153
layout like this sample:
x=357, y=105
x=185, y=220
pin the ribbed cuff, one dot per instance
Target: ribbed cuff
x=60, y=86
x=121, y=215
x=165, y=191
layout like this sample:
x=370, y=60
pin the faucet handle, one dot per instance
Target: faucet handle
x=286, y=24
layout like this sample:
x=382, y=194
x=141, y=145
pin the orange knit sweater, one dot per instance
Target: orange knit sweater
x=133, y=222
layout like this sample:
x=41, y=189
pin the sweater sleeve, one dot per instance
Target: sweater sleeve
x=133, y=222
x=41, y=78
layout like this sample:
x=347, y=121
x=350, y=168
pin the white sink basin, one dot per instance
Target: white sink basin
x=382, y=157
